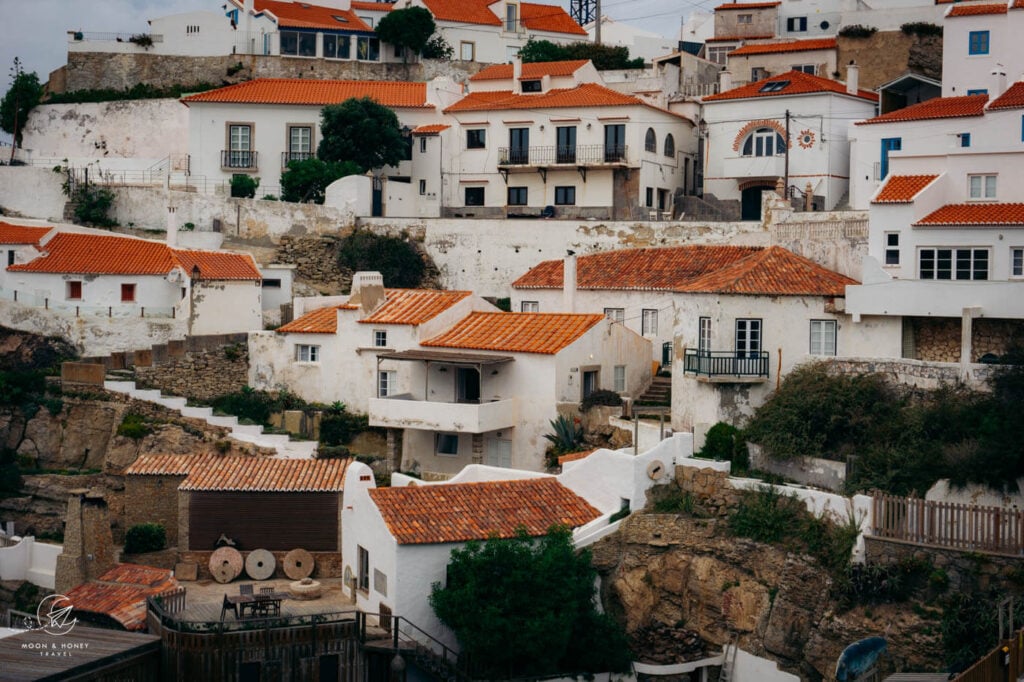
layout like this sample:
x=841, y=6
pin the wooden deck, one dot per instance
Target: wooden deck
x=204, y=599
x=36, y=655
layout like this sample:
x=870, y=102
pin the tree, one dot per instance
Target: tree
x=361, y=131
x=23, y=95
x=395, y=258
x=604, y=57
x=408, y=28
x=438, y=48
x=306, y=181
x=522, y=607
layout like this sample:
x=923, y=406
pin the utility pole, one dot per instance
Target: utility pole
x=785, y=142
x=597, y=26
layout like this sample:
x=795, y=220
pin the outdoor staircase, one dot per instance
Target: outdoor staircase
x=426, y=653
x=729, y=660
x=659, y=392
x=245, y=433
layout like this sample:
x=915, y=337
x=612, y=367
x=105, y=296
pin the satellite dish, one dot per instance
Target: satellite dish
x=859, y=658
x=655, y=470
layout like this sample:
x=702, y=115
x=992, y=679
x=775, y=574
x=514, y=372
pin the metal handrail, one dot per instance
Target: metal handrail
x=562, y=154
x=726, y=363
x=448, y=656
x=240, y=160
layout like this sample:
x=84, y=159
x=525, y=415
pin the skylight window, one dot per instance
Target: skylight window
x=343, y=20
x=773, y=86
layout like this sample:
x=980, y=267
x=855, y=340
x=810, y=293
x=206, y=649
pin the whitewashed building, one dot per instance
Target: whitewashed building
x=981, y=45
x=757, y=61
x=18, y=244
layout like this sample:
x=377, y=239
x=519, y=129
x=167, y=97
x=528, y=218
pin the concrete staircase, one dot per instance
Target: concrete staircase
x=245, y=433
x=659, y=392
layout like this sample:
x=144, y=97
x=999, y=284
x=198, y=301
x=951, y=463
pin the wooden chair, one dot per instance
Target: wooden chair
x=266, y=590
x=245, y=589
x=228, y=606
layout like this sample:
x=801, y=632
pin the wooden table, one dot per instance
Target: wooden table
x=258, y=604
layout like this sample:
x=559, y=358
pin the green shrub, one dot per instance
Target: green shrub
x=602, y=397
x=93, y=206
x=145, y=537
x=857, y=31
x=921, y=28
x=243, y=186
x=338, y=427
x=396, y=258
x=671, y=500
x=725, y=442
x=134, y=426
x=137, y=91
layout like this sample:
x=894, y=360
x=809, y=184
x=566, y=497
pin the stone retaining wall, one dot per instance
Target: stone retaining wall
x=200, y=374
x=967, y=571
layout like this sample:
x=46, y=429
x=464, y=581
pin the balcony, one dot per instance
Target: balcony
x=405, y=412
x=574, y=155
x=727, y=367
x=238, y=160
x=288, y=157
x=754, y=167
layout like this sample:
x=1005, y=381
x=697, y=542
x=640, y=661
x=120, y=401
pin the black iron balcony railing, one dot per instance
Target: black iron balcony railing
x=568, y=154
x=230, y=158
x=726, y=363
x=286, y=157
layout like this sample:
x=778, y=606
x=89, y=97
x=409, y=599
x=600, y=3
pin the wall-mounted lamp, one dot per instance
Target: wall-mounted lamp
x=495, y=372
x=588, y=126
x=442, y=369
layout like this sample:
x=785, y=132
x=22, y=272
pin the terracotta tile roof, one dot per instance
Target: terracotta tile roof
x=544, y=333
x=395, y=94
x=974, y=214
x=93, y=254
x=531, y=71
x=774, y=271
x=463, y=11
x=1013, y=98
x=901, y=189
x=319, y=321
x=163, y=465
x=550, y=18
x=372, y=6
x=1017, y=4
x=731, y=39
x=970, y=10
x=413, y=306
x=21, y=234
x=458, y=512
x=575, y=456
x=788, y=46
x=939, y=107
x=430, y=129
x=267, y=474
x=658, y=269
x=746, y=5
x=121, y=593
x=585, y=95
x=799, y=84
x=307, y=15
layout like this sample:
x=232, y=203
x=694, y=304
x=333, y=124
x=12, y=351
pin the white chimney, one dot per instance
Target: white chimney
x=517, y=73
x=367, y=290
x=172, y=227
x=852, y=79
x=569, y=282
x=999, y=74
x=725, y=80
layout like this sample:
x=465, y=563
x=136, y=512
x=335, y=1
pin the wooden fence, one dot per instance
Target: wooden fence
x=947, y=524
x=1005, y=662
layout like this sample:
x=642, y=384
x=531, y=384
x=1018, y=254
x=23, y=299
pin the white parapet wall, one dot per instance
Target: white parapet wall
x=29, y=560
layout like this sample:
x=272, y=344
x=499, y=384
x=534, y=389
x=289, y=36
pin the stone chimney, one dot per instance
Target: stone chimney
x=367, y=291
x=569, y=282
x=88, y=544
x=725, y=80
x=852, y=78
x=999, y=78
x=172, y=227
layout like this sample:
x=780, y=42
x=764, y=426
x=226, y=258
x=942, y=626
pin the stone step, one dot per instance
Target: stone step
x=197, y=412
x=172, y=402
x=298, y=449
x=270, y=440
x=251, y=429
x=119, y=386
x=222, y=420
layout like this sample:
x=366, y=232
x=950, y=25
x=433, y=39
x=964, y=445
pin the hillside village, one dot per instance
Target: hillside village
x=302, y=313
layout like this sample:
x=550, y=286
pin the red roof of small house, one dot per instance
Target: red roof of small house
x=575, y=456
x=550, y=18
x=543, y=333
x=372, y=6
x=901, y=189
x=774, y=271
x=307, y=15
x=746, y=5
x=413, y=306
x=93, y=254
x=532, y=16
x=458, y=512
x=788, y=46
x=430, y=129
x=531, y=70
x=939, y=107
x=1013, y=98
x=797, y=83
x=245, y=473
x=121, y=593
x=584, y=95
x=309, y=91
x=319, y=321
x=21, y=234
x=980, y=214
x=975, y=9
x=733, y=39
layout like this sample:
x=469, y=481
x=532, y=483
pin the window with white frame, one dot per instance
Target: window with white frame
x=467, y=51
x=806, y=68
x=892, y=248
x=764, y=142
x=380, y=338
x=447, y=444
x=748, y=337
x=337, y=47
x=796, y=24
x=823, y=337
x=615, y=314
x=744, y=18
x=982, y=186
x=704, y=335
x=648, y=321
x=298, y=43
x=307, y=353
x=385, y=383
x=368, y=49
x=1017, y=261
x=718, y=54
x=954, y=264
x=529, y=307
x=619, y=378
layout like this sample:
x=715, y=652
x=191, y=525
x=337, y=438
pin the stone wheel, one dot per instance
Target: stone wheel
x=260, y=564
x=298, y=564
x=226, y=564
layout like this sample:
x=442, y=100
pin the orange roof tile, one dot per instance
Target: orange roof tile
x=576, y=456
x=413, y=306
x=799, y=84
x=974, y=214
x=774, y=271
x=430, y=129
x=21, y=234
x=463, y=11
x=458, y=512
x=1013, y=98
x=531, y=70
x=939, y=107
x=121, y=593
x=551, y=18
x=970, y=10
x=731, y=39
x=545, y=333
x=163, y=465
x=319, y=321
x=306, y=15
x=901, y=189
x=585, y=95
x=1017, y=4
x=395, y=94
x=93, y=254
x=788, y=46
x=372, y=6
x=651, y=269
x=746, y=5
x=245, y=473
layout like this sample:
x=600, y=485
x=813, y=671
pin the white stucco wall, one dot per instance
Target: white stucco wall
x=223, y=307
x=29, y=560
x=962, y=71
x=32, y=191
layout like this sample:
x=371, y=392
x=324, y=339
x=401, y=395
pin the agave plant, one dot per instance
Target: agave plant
x=568, y=434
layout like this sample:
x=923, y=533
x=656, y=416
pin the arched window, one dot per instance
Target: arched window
x=650, y=142
x=670, y=145
x=764, y=142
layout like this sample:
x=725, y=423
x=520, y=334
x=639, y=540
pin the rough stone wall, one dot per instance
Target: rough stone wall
x=937, y=339
x=886, y=55
x=91, y=70
x=316, y=260
x=200, y=375
x=967, y=571
x=153, y=499
x=913, y=373
x=995, y=336
x=711, y=488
